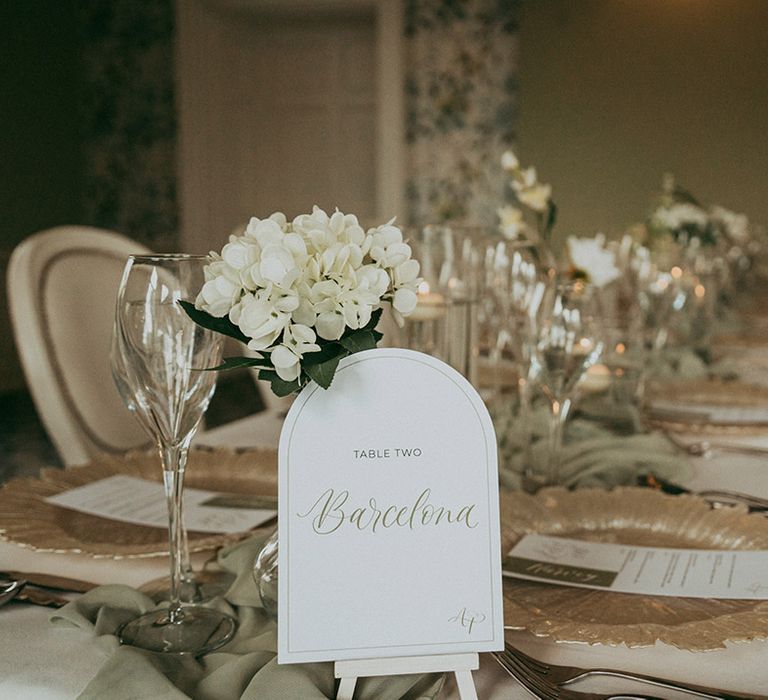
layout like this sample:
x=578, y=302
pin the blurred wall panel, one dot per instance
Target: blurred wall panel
x=614, y=93
x=461, y=104
x=40, y=138
x=129, y=119
x=278, y=112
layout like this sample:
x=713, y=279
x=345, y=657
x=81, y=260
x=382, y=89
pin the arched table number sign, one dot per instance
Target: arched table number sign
x=389, y=557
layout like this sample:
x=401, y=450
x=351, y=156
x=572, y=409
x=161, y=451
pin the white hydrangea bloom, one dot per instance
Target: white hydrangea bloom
x=286, y=284
x=589, y=255
x=297, y=340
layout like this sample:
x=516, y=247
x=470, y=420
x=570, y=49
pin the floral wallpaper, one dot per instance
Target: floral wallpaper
x=129, y=119
x=461, y=101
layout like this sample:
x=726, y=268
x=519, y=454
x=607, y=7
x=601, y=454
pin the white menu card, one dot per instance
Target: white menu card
x=661, y=571
x=142, y=502
x=388, y=515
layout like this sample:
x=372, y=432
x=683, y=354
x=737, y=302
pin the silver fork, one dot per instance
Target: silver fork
x=563, y=675
x=544, y=689
x=9, y=590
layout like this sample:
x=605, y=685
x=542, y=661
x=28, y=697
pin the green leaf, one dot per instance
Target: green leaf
x=279, y=386
x=323, y=373
x=328, y=350
x=237, y=362
x=375, y=317
x=358, y=341
x=219, y=325
x=551, y=217
x=377, y=336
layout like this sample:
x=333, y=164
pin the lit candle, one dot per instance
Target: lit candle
x=430, y=306
x=596, y=379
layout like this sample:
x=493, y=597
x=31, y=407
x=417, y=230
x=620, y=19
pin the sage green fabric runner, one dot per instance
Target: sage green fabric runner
x=244, y=668
x=592, y=454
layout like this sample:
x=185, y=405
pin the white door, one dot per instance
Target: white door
x=279, y=110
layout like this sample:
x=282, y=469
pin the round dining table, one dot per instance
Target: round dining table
x=40, y=661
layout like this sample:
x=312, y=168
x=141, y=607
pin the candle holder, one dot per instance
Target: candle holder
x=444, y=322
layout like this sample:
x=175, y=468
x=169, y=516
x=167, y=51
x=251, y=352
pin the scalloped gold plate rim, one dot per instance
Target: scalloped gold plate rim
x=639, y=517
x=28, y=520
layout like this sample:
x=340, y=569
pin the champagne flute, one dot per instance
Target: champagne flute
x=568, y=342
x=161, y=351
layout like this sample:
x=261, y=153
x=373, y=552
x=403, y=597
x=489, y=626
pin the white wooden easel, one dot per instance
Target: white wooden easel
x=461, y=665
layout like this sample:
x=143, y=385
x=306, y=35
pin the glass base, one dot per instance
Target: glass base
x=202, y=587
x=197, y=631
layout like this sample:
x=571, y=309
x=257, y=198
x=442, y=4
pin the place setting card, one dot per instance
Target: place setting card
x=653, y=571
x=389, y=520
x=138, y=501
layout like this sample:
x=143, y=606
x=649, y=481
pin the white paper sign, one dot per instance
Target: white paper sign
x=686, y=573
x=389, y=515
x=142, y=502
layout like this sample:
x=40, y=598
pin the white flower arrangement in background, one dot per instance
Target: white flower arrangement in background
x=303, y=294
x=512, y=223
x=592, y=260
x=530, y=195
x=734, y=226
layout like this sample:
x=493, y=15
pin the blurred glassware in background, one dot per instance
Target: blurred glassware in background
x=512, y=290
x=568, y=340
x=444, y=322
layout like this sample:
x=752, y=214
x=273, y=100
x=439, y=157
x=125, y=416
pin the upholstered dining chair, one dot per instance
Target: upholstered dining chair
x=62, y=285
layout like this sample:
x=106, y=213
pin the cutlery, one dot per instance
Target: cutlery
x=705, y=448
x=544, y=689
x=57, y=583
x=563, y=675
x=714, y=496
x=9, y=590
x=40, y=596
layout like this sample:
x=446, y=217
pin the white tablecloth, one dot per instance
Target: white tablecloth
x=41, y=662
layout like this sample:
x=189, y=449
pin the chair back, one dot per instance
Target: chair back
x=62, y=286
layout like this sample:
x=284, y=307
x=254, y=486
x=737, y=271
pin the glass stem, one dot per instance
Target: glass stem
x=557, y=418
x=174, y=465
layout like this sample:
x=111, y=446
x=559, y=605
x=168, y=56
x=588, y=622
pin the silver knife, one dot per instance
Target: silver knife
x=58, y=583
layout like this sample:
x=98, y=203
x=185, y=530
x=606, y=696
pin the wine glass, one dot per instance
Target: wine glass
x=196, y=586
x=161, y=352
x=568, y=341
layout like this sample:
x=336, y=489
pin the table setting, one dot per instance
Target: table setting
x=511, y=469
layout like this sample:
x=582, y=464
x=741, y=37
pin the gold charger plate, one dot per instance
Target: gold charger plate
x=638, y=517
x=27, y=520
x=705, y=393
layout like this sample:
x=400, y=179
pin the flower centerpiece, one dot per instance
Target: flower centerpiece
x=306, y=293
x=532, y=196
